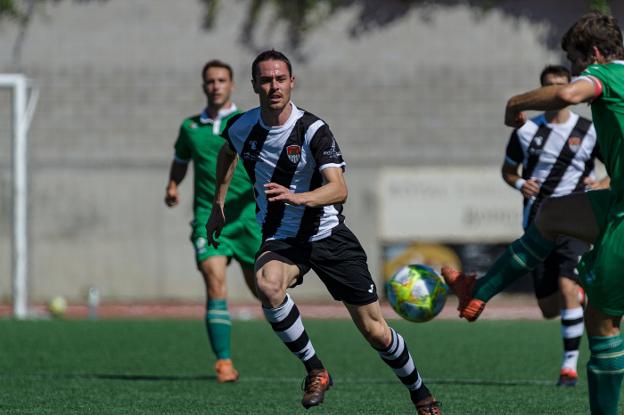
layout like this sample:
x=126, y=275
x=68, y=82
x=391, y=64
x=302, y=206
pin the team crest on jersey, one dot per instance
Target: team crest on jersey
x=574, y=143
x=294, y=153
x=539, y=140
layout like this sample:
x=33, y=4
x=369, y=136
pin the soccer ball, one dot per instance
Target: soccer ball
x=57, y=306
x=417, y=293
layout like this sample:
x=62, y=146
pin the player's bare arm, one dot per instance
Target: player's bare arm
x=177, y=172
x=226, y=164
x=548, y=98
x=332, y=192
x=529, y=188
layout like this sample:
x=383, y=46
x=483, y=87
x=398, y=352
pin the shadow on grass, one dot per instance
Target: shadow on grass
x=112, y=376
x=254, y=379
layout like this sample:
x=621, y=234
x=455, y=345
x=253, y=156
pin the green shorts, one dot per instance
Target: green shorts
x=239, y=239
x=601, y=270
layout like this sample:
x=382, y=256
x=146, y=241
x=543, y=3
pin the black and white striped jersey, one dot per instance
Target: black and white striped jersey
x=292, y=155
x=558, y=156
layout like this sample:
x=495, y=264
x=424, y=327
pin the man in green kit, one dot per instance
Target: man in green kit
x=594, y=47
x=199, y=141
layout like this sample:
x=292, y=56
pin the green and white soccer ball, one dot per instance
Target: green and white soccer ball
x=417, y=293
x=57, y=306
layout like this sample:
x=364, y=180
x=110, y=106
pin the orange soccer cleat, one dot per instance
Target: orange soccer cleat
x=428, y=406
x=567, y=377
x=315, y=384
x=225, y=371
x=462, y=286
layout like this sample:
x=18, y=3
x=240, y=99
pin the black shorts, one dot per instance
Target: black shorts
x=339, y=260
x=561, y=262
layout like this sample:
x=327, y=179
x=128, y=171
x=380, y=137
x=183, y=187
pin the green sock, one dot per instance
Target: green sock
x=520, y=257
x=219, y=327
x=605, y=371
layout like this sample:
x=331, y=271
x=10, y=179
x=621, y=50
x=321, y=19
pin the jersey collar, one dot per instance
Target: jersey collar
x=204, y=118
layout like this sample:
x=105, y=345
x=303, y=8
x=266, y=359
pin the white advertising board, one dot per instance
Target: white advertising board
x=448, y=204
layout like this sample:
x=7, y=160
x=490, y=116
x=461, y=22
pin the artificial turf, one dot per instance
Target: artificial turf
x=166, y=367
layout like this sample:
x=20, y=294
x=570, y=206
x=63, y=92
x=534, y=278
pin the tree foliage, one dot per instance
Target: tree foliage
x=300, y=17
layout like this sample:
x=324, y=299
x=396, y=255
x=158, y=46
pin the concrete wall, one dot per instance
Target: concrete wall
x=117, y=77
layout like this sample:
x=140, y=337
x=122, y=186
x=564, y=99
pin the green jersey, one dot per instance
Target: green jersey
x=199, y=140
x=608, y=117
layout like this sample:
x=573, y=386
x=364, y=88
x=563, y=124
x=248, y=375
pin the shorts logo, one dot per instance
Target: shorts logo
x=200, y=245
x=294, y=153
x=372, y=288
x=574, y=143
x=590, y=278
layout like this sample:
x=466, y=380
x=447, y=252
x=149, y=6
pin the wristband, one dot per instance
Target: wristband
x=519, y=183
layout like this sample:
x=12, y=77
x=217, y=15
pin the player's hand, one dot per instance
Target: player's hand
x=215, y=224
x=530, y=188
x=278, y=193
x=591, y=184
x=513, y=118
x=172, y=196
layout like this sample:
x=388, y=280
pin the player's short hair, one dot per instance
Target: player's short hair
x=557, y=70
x=269, y=55
x=216, y=63
x=595, y=29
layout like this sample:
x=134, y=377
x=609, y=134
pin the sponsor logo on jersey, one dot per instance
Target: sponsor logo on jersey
x=294, y=153
x=332, y=152
x=574, y=143
x=193, y=125
x=536, y=146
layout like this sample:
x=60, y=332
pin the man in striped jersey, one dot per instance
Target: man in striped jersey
x=297, y=168
x=594, y=47
x=556, y=151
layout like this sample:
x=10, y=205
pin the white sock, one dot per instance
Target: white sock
x=571, y=332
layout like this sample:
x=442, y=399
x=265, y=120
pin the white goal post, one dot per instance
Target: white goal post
x=24, y=99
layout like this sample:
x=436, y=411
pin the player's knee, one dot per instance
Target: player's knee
x=215, y=287
x=549, y=306
x=549, y=314
x=270, y=288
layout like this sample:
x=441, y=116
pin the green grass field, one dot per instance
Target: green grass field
x=165, y=367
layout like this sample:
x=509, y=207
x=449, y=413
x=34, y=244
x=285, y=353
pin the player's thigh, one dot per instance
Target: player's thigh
x=602, y=272
x=570, y=215
x=600, y=324
x=213, y=268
